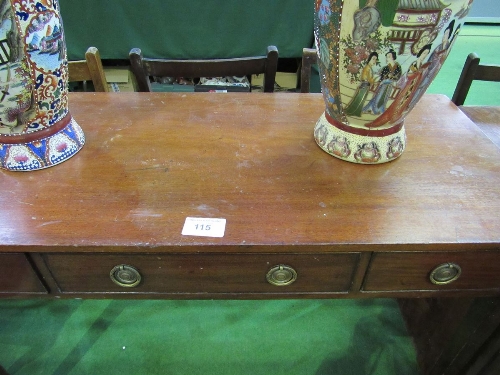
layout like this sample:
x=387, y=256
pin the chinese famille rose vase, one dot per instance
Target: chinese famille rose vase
x=36, y=128
x=376, y=58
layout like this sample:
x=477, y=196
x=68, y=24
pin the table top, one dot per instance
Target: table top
x=153, y=159
x=487, y=118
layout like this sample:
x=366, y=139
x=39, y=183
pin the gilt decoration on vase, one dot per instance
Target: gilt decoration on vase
x=376, y=58
x=36, y=128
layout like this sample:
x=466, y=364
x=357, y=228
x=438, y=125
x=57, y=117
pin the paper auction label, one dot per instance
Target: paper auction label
x=205, y=227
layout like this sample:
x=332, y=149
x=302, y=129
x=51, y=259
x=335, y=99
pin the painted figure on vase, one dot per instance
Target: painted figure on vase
x=354, y=108
x=408, y=85
x=415, y=67
x=418, y=78
x=371, y=101
x=389, y=75
x=436, y=60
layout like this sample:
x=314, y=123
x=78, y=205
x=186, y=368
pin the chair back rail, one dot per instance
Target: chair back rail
x=143, y=68
x=471, y=71
x=90, y=69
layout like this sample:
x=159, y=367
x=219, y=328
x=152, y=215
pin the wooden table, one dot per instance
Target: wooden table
x=487, y=118
x=346, y=230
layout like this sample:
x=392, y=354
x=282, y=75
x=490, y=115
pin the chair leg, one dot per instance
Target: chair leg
x=271, y=67
x=465, y=80
x=143, y=83
x=308, y=59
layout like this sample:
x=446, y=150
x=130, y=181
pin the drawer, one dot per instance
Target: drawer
x=17, y=275
x=410, y=271
x=203, y=273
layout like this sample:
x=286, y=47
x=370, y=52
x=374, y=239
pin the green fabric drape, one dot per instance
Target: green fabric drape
x=187, y=29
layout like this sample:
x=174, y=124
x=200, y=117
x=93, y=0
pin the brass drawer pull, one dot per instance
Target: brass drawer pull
x=445, y=273
x=281, y=275
x=125, y=275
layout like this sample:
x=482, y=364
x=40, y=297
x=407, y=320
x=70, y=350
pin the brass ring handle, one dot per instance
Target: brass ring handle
x=445, y=273
x=125, y=276
x=281, y=275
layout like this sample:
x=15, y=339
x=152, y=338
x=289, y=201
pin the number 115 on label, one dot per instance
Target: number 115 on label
x=207, y=227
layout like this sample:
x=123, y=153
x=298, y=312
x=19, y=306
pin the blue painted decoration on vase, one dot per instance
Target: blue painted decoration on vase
x=36, y=129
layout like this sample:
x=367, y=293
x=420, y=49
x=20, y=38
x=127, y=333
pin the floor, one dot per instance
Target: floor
x=348, y=337
x=205, y=337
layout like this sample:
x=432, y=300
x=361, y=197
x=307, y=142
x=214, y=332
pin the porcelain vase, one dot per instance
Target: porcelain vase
x=36, y=128
x=376, y=58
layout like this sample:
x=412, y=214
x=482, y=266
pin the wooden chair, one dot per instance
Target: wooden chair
x=309, y=58
x=472, y=70
x=89, y=69
x=480, y=115
x=143, y=68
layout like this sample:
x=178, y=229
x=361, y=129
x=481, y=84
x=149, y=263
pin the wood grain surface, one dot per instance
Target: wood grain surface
x=487, y=118
x=153, y=159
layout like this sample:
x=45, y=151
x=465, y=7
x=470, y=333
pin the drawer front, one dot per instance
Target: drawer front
x=17, y=275
x=403, y=271
x=203, y=273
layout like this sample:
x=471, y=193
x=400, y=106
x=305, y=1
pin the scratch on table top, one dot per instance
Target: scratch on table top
x=49, y=223
x=144, y=213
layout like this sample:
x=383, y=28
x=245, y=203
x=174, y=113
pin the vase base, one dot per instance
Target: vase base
x=355, y=148
x=42, y=153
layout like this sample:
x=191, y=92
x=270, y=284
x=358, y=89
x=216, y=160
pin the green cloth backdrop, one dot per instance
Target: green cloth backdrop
x=187, y=29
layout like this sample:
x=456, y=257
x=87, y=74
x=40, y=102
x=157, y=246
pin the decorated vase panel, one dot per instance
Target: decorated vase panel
x=36, y=129
x=377, y=57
